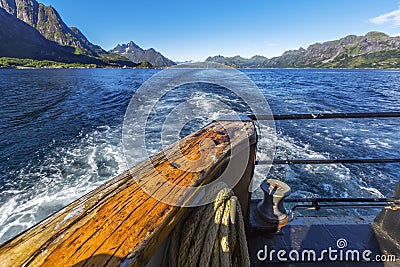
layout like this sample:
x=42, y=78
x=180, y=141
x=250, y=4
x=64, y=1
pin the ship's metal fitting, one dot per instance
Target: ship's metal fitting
x=271, y=208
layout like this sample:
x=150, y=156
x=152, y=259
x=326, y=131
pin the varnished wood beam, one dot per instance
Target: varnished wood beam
x=119, y=222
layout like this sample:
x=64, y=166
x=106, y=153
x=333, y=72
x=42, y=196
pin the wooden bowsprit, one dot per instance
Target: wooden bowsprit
x=119, y=222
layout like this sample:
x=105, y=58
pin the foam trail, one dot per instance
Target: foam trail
x=62, y=176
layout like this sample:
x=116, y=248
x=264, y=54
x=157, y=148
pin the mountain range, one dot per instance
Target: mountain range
x=35, y=31
x=374, y=50
x=31, y=30
x=18, y=39
x=137, y=55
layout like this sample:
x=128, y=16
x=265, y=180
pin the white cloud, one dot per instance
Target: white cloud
x=391, y=17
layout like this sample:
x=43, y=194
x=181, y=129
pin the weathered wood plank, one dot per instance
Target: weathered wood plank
x=119, y=221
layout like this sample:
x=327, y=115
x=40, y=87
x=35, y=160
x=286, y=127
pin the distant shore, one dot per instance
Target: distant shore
x=26, y=63
x=17, y=63
x=113, y=67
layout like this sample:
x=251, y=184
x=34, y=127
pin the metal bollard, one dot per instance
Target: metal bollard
x=271, y=207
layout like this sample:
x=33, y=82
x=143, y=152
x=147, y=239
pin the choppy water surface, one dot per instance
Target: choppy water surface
x=60, y=133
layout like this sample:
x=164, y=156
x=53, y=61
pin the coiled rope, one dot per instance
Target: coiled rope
x=211, y=235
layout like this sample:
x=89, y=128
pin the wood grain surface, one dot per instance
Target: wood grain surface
x=119, y=222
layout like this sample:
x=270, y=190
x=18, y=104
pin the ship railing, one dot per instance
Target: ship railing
x=327, y=203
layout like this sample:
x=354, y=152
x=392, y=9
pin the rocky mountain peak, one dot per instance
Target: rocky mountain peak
x=376, y=36
x=49, y=23
x=137, y=55
x=132, y=45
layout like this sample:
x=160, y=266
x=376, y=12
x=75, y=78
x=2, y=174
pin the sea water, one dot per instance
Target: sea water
x=61, y=133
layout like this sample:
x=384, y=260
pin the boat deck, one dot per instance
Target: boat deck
x=318, y=234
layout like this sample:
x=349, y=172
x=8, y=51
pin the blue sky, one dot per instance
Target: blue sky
x=193, y=29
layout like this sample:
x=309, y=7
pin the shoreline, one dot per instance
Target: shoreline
x=115, y=67
x=71, y=67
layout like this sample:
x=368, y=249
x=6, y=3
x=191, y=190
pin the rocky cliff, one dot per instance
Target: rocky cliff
x=49, y=23
x=35, y=31
x=19, y=40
